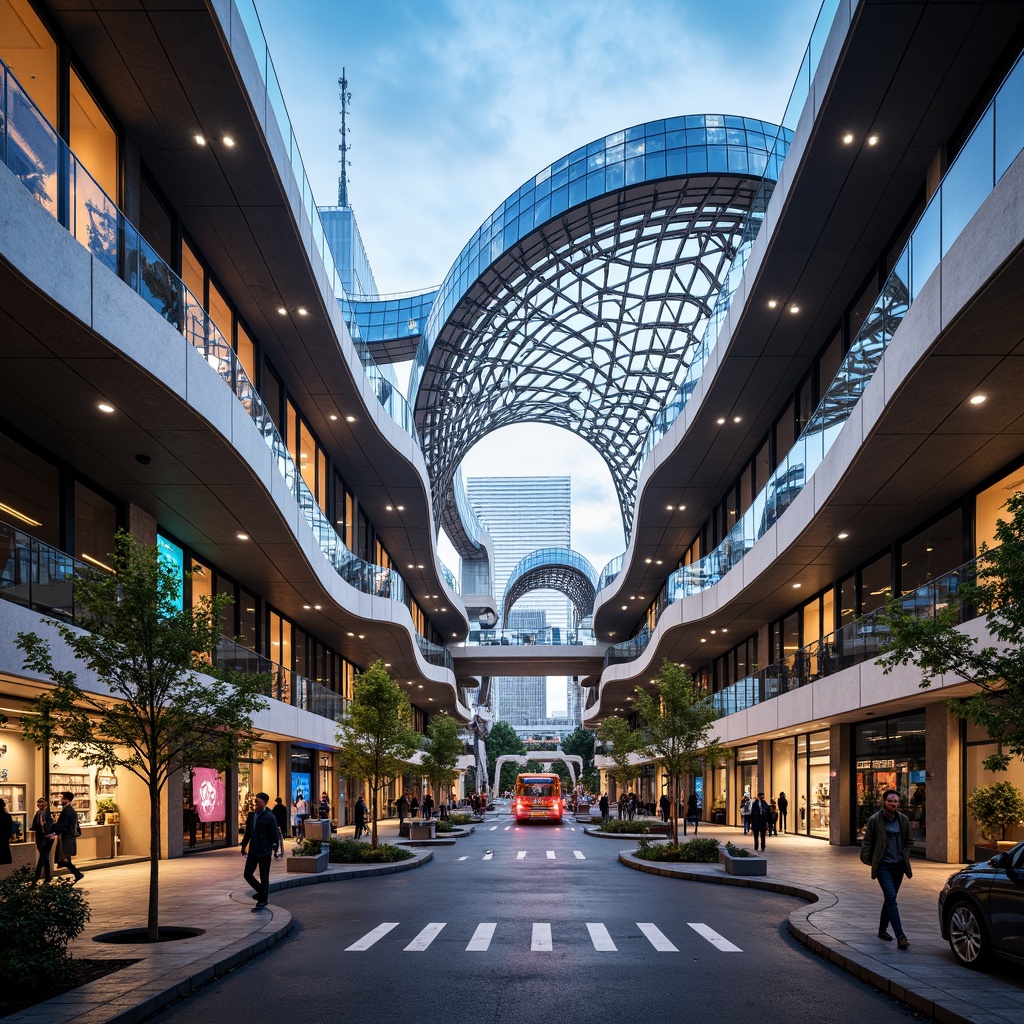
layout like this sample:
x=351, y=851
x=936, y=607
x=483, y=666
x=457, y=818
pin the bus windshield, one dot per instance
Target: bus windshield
x=538, y=787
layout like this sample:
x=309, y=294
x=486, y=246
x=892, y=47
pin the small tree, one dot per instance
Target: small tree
x=677, y=720
x=502, y=739
x=620, y=742
x=581, y=743
x=441, y=758
x=996, y=807
x=155, y=660
x=937, y=647
x=376, y=737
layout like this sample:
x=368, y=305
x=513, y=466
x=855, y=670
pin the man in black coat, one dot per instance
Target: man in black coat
x=759, y=819
x=260, y=839
x=66, y=830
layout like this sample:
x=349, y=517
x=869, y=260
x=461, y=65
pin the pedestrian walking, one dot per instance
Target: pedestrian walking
x=402, y=808
x=280, y=813
x=300, y=812
x=360, y=817
x=773, y=818
x=745, y=813
x=414, y=806
x=42, y=829
x=67, y=830
x=259, y=844
x=692, y=813
x=602, y=806
x=666, y=806
x=783, y=811
x=428, y=805
x=759, y=809
x=886, y=847
x=324, y=809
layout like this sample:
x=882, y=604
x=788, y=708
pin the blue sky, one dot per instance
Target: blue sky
x=456, y=103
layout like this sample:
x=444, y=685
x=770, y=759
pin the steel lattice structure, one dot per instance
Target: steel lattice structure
x=560, y=569
x=587, y=323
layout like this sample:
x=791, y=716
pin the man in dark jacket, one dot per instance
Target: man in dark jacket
x=66, y=830
x=260, y=839
x=42, y=829
x=402, y=808
x=360, y=817
x=886, y=847
x=759, y=819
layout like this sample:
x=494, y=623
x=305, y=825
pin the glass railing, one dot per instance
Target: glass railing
x=545, y=636
x=673, y=408
x=475, y=530
x=40, y=577
x=858, y=641
x=610, y=571
x=993, y=145
x=34, y=152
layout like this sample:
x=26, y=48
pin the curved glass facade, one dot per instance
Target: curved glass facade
x=560, y=569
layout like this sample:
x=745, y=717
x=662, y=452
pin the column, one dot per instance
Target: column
x=840, y=764
x=943, y=786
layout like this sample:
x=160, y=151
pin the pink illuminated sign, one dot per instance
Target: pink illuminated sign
x=208, y=794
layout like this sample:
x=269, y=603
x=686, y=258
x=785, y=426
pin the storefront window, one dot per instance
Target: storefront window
x=979, y=746
x=990, y=506
x=889, y=753
x=818, y=784
x=206, y=808
x=746, y=776
x=784, y=775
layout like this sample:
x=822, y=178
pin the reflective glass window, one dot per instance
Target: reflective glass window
x=92, y=137
x=990, y=507
x=95, y=526
x=29, y=492
x=968, y=181
x=247, y=619
x=931, y=553
x=246, y=353
x=1010, y=119
x=29, y=50
x=875, y=584
x=155, y=223
x=202, y=581
x=219, y=310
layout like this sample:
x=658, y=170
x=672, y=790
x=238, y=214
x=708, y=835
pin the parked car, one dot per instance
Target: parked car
x=981, y=910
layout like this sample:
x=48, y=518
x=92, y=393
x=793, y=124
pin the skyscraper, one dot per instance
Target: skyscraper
x=523, y=514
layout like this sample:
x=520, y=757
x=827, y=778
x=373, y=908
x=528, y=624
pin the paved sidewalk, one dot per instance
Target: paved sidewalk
x=841, y=925
x=199, y=891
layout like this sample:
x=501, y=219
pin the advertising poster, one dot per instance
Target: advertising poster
x=208, y=794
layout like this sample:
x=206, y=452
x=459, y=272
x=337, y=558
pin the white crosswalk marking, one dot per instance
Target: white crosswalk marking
x=481, y=938
x=371, y=937
x=714, y=938
x=493, y=828
x=507, y=827
x=578, y=854
x=541, y=942
x=572, y=828
x=521, y=855
x=425, y=938
x=551, y=854
x=657, y=938
x=463, y=858
x=601, y=939
x=488, y=855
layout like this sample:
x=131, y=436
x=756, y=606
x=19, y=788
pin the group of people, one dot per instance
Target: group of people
x=763, y=817
x=58, y=836
x=301, y=811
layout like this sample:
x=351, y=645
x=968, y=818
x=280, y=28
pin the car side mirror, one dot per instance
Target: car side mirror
x=998, y=861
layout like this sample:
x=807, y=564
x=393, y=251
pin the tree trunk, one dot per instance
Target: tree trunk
x=373, y=817
x=153, y=916
x=675, y=810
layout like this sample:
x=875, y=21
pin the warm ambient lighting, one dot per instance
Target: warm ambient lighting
x=350, y=419
x=242, y=536
x=282, y=310
x=720, y=421
x=200, y=139
x=307, y=607
x=794, y=308
x=8, y=511
x=978, y=399
x=843, y=536
x=671, y=508
x=872, y=140
x=848, y=138
x=737, y=419
x=797, y=586
x=333, y=416
x=105, y=407
x=772, y=303
x=96, y=561
x=302, y=311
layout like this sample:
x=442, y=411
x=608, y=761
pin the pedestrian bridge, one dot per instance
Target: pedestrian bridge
x=520, y=657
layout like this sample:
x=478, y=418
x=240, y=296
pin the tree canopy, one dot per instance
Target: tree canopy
x=581, y=743
x=503, y=739
x=676, y=729
x=937, y=647
x=620, y=741
x=440, y=761
x=376, y=738
x=172, y=707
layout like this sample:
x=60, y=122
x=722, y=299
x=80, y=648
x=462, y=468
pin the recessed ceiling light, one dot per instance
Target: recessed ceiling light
x=390, y=508
x=737, y=419
x=872, y=140
x=410, y=566
x=703, y=639
x=351, y=634
x=317, y=607
x=307, y=607
x=794, y=308
x=200, y=140
x=843, y=536
x=401, y=508
x=975, y=399
x=282, y=310
x=670, y=507
x=105, y=407
x=333, y=416
x=797, y=586
x=657, y=561
x=420, y=567
x=648, y=560
x=713, y=632
x=350, y=419
x=848, y=138
x=302, y=311
x=724, y=629
x=362, y=636
x=242, y=536
x=772, y=303
x=623, y=607
x=720, y=421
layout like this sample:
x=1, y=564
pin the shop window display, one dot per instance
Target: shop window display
x=889, y=753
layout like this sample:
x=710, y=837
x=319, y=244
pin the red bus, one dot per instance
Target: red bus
x=538, y=797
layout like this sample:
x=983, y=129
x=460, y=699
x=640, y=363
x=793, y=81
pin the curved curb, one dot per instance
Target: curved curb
x=649, y=836
x=342, y=873
x=915, y=993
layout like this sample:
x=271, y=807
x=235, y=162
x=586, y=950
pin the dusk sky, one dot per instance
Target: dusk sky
x=455, y=104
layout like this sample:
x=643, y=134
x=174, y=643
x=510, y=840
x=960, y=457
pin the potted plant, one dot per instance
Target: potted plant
x=308, y=857
x=996, y=808
x=738, y=861
x=104, y=806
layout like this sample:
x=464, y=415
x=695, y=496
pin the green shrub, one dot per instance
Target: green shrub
x=996, y=807
x=348, y=851
x=460, y=819
x=737, y=851
x=36, y=925
x=696, y=851
x=615, y=827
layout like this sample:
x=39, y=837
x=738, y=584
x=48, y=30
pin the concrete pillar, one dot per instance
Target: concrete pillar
x=172, y=842
x=943, y=784
x=141, y=525
x=764, y=768
x=231, y=804
x=840, y=789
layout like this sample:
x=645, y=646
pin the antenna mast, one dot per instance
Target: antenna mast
x=346, y=98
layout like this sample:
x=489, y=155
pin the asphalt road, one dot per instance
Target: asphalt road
x=533, y=924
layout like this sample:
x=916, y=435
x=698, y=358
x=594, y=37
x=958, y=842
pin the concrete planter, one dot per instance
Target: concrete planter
x=745, y=866
x=422, y=830
x=308, y=865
